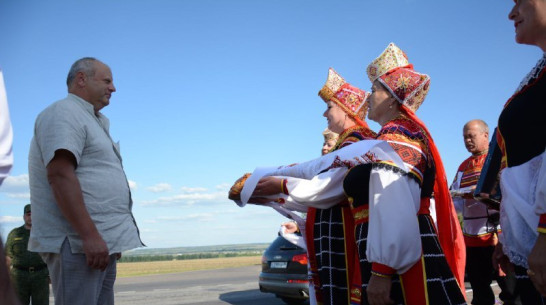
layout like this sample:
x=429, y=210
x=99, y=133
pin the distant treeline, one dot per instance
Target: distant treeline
x=170, y=257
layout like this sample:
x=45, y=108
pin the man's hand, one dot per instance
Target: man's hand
x=537, y=264
x=379, y=290
x=96, y=252
x=500, y=260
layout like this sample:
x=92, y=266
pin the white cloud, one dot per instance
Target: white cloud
x=186, y=189
x=133, y=185
x=16, y=187
x=11, y=219
x=190, y=196
x=187, y=199
x=192, y=217
x=15, y=184
x=223, y=187
x=19, y=195
x=160, y=187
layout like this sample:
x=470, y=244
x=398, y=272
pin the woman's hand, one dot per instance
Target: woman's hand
x=379, y=290
x=537, y=264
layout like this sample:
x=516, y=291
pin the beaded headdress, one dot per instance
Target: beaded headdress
x=350, y=98
x=409, y=87
x=392, y=57
x=333, y=83
x=393, y=70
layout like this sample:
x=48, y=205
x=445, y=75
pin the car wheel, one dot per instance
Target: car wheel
x=292, y=301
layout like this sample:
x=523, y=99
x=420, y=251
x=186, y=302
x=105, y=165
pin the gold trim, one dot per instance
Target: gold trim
x=362, y=214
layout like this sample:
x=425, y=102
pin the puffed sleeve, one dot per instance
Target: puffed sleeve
x=322, y=191
x=393, y=237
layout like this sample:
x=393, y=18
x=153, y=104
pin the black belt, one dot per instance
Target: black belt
x=30, y=269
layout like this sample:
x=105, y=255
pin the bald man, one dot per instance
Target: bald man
x=480, y=223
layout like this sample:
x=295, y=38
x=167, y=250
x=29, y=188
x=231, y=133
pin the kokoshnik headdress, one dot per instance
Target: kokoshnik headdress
x=350, y=98
x=393, y=70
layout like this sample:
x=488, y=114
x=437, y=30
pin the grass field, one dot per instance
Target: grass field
x=147, y=268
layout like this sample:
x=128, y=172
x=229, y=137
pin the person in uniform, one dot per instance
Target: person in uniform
x=28, y=271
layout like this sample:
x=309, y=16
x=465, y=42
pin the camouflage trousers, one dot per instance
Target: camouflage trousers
x=31, y=285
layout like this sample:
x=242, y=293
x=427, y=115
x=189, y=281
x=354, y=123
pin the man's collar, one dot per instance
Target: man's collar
x=85, y=104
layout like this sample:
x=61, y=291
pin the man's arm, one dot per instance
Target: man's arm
x=67, y=191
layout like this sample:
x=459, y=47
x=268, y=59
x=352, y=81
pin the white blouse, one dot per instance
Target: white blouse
x=523, y=190
x=393, y=238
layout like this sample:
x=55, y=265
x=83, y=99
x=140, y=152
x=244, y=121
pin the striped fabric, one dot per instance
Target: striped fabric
x=410, y=142
x=471, y=169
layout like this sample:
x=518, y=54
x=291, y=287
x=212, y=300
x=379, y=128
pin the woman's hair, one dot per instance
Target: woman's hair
x=329, y=135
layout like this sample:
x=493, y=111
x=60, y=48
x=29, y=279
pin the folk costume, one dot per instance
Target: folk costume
x=480, y=222
x=395, y=234
x=316, y=187
x=522, y=140
x=480, y=226
x=330, y=234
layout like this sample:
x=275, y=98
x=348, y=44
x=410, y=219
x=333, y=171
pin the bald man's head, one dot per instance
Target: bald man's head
x=476, y=136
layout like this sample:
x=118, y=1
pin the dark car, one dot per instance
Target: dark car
x=284, y=272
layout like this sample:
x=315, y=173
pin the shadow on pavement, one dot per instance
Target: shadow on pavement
x=251, y=297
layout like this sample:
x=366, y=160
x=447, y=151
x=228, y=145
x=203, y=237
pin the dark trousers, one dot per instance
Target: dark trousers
x=31, y=285
x=480, y=273
x=525, y=288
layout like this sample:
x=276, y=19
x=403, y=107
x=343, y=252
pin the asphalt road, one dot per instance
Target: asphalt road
x=236, y=286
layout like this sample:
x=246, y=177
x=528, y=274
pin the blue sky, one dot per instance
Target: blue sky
x=208, y=90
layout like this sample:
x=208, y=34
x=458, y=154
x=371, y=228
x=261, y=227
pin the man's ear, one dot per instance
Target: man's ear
x=81, y=79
